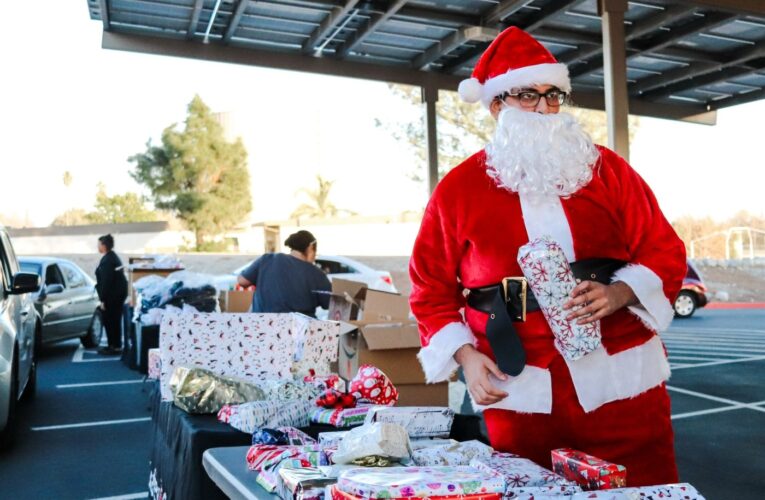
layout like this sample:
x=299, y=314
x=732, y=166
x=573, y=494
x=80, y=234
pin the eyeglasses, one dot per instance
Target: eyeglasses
x=530, y=98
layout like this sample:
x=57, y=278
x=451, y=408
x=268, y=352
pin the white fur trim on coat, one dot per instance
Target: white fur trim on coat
x=539, y=74
x=545, y=217
x=600, y=378
x=437, y=359
x=529, y=392
x=654, y=309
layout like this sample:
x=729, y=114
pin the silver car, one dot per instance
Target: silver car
x=67, y=301
x=20, y=328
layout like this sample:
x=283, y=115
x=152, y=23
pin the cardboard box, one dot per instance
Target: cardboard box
x=423, y=394
x=236, y=301
x=391, y=347
x=353, y=301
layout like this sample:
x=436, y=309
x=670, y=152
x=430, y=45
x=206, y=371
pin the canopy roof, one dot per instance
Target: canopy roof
x=684, y=59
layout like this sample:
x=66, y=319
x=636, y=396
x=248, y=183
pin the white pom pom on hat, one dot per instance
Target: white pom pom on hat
x=470, y=90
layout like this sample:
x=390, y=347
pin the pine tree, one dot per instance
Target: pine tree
x=197, y=175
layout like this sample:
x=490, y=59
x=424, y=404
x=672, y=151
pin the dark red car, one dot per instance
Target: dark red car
x=692, y=295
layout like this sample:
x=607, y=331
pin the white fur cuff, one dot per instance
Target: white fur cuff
x=437, y=359
x=654, y=309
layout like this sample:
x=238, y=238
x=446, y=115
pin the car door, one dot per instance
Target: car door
x=83, y=296
x=20, y=310
x=57, y=309
x=336, y=269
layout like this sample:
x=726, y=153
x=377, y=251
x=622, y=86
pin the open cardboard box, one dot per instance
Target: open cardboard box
x=353, y=301
x=236, y=301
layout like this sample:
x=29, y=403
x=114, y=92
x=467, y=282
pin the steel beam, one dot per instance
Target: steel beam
x=235, y=20
x=503, y=9
x=103, y=6
x=554, y=9
x=235, y=54
x=657, y=43
x=194, y=19
x=708, y=79
x=741, y=7
x=738, y=99
x=362, y=33
x=327, y=25
x=615, y=75
x=430, y=98
x=696, y=69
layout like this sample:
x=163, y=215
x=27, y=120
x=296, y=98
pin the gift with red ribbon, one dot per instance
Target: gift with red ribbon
x=335, y=400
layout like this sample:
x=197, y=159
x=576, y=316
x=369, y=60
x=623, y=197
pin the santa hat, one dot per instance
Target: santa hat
x=514, y=59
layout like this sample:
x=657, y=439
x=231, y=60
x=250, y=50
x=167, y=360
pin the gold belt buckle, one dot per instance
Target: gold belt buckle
x=524, y=286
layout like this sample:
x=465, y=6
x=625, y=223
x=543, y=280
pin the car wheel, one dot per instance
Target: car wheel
x=95, y=332
x=8, y=433
x=31, y=388
x=685, y=304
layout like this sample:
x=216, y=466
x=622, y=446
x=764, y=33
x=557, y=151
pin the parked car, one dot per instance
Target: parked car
x=19, y=330
x=335, y=267
x=67, y=301
x=693, y=293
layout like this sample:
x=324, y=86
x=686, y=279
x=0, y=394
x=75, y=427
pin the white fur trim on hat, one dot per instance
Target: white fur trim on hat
x=539, y=74
x=470, y=90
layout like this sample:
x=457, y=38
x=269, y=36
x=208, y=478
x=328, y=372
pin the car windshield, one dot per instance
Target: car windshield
x=30, y=267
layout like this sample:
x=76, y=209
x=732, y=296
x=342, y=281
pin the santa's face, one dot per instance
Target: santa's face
x=524, y=100
x=538, y=151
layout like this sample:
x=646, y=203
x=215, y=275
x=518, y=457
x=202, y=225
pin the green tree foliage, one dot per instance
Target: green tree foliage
x=319, y=205
x=197, y=175
x=120, y=208
x=465, y=128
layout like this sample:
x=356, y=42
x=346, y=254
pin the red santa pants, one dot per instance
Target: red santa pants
x=636, y=433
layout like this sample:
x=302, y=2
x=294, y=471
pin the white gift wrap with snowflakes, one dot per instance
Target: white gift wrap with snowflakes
x=679, y=491
x=551, y=280
x=521, y=472
x=252, y=347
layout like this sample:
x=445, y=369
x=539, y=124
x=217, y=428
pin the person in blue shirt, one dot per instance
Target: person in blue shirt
x=288, y=282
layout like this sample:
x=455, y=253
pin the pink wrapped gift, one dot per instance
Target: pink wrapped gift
x=521, y=472
x=405, y=482
x=155, y=365
x=550, y=277
x=680, y=491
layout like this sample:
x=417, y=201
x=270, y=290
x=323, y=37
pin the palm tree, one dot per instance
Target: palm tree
x=320, y=206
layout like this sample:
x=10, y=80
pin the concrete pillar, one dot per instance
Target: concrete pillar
x=430, y=97
x=615, y=75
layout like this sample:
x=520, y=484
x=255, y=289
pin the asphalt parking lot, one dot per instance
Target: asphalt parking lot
x=86, y=435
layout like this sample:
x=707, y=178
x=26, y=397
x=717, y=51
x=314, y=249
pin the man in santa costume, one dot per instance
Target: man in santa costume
x=541, y=175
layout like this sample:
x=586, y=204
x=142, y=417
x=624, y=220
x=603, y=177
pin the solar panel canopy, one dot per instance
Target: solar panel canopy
x=685, y=59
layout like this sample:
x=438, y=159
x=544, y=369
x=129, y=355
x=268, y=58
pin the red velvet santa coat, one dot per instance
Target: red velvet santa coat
x=469, y=238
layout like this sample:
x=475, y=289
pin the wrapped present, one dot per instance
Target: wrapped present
x=591, y=473
x=249, y=417
x=550, y=277
x=521, y=472
x=418, y=443
x=333, y=493
x=325, y=382
x=372, y=386
x=419, y=421
x=306, y=483
x=451, y=453
x=155, y=364
x=336, y=400
x=290, y=389
x=562, y=492
x=348, y=417
x=377, y=439
x=406, y=482
x=263, y=456
x=680, y=491
x=247, y=346
x=196, y=390
x=331, y=438
x=289, y=436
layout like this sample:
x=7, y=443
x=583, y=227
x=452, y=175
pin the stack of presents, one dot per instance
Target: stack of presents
x=274, y=376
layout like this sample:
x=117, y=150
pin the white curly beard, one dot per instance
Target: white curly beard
x=540, y=155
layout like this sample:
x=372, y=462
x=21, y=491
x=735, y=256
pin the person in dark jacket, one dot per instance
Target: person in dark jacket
x=111, y=286
x=288, y=282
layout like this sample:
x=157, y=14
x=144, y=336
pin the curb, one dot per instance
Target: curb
x=736, y=305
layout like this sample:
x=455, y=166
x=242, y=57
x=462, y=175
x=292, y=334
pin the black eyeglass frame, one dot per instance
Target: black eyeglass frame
x=561, y=99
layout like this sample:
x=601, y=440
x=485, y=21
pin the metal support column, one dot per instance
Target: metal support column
x=615, y=75
x=430, y=97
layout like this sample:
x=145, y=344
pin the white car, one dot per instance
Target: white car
x=335, y=267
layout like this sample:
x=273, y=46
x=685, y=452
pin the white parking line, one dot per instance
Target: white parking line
x=708, y=412
x=723, y=362
x=98, y=384
x=78, y=354
x=95, y=424
x=132, y=496
x=751, y=406
x=716, y=330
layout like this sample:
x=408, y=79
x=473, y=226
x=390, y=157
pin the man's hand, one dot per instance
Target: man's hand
x=477, y=368
x=598, y=300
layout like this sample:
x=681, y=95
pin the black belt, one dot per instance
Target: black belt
x=510, y=300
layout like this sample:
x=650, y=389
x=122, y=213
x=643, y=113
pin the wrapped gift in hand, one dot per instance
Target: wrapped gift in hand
x=551, y=280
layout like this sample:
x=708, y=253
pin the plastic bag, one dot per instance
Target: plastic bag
x=377, y=439
x=196, y=390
